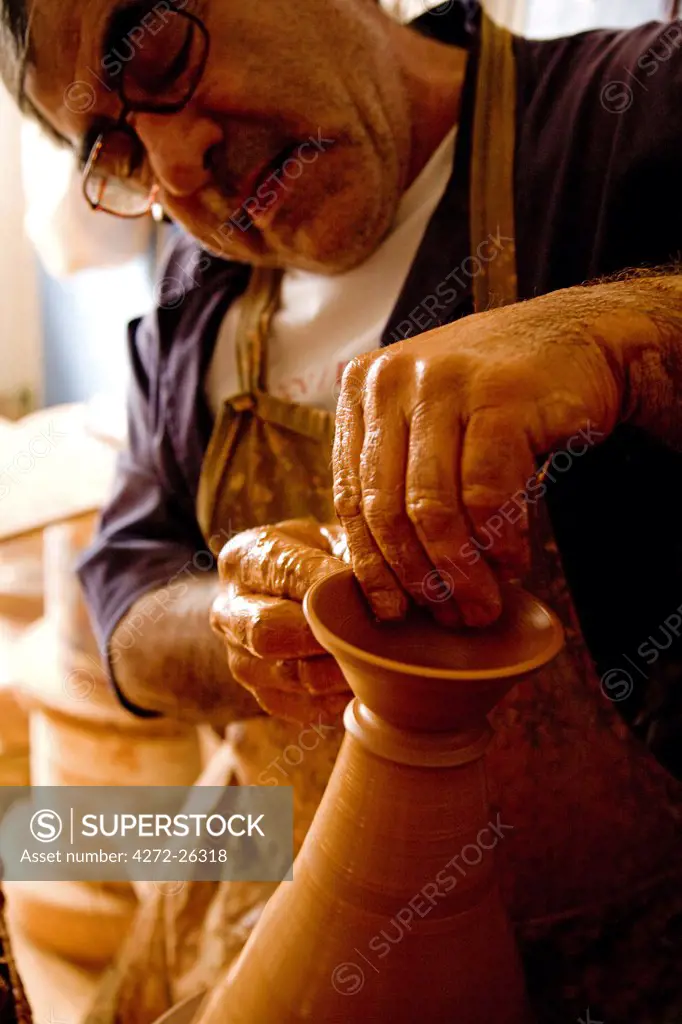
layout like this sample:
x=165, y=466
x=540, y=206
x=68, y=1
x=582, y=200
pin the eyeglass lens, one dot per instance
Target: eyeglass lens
x=159, y=73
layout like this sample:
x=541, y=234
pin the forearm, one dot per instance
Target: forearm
x=166, y=658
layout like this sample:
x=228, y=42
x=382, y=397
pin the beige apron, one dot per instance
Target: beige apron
x=592, y=871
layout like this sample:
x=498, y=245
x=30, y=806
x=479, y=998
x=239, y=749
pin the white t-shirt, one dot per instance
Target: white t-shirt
x=323, y=322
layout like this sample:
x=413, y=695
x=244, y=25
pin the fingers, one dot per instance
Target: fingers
x=497, y=464
x=435, y=507
x=384, y=470
x=269, y=627
x=321, y=676
x=317, y=676
x=268, y=561
x=378, y=582
x=303, y=709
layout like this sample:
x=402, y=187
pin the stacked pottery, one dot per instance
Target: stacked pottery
x=80, y=735
x=21, y=602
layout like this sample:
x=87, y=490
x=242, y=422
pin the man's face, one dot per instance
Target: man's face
x=294, y=148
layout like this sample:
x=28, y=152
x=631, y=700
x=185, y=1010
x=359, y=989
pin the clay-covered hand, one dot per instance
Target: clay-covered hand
x=438, y=443
x=264, y=575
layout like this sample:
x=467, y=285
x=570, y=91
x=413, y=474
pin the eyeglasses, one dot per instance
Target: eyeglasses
x=170, y=63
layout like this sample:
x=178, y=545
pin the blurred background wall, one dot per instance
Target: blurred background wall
x=20, y=320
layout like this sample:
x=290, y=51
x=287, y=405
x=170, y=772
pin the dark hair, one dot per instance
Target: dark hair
x=15, y=52
x=13, y=42
x=15, y=18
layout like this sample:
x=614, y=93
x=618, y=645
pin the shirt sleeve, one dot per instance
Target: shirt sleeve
x=599, y=154
x=148, y=532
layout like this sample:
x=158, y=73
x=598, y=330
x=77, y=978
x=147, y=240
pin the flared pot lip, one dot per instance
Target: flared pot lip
x=332, y=643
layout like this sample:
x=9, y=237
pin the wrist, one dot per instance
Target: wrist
x=628, y=340
x=640, y=332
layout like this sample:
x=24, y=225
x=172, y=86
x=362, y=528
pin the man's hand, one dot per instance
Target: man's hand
x=436, y=435
x=265, y=574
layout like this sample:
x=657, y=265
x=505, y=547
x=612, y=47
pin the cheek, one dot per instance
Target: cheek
x=347, y=198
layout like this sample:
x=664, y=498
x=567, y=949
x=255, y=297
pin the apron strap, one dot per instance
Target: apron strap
x=492, y=163
x=258, y=305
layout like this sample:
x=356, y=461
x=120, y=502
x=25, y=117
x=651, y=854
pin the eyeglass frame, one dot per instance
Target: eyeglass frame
x=132, y=107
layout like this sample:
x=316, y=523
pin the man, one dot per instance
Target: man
x=327, y=141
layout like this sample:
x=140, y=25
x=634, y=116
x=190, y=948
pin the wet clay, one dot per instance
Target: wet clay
x=394, y=913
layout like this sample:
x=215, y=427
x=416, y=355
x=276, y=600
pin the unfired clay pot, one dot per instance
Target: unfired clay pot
x=394, y=912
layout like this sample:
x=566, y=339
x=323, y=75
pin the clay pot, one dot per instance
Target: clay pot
x=72, y=752
x=81, y=922
x=394, y=912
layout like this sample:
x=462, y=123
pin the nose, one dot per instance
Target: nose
x=177, y=146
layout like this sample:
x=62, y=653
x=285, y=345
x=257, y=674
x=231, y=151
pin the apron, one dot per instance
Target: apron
x=591, y=870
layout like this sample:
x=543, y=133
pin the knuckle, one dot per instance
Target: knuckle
x=347, y=497
x=232, y=553
x=432, y=514
x=358, y=366
x=381, y=515
x=259, y=635
x=386, y=371
x=353, y=379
